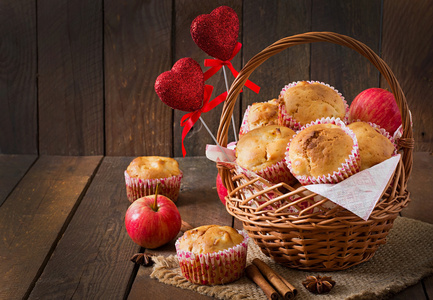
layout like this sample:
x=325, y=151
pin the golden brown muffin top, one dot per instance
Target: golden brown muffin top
x=263, y=147
x=374, y=147
x=209, y=238
x=262, y=114
x=319, y=150
x=307, y=102
x=153, y=167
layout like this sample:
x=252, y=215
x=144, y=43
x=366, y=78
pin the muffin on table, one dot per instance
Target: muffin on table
x=325, y=151
x=375, y=145
x=260, y=114
x=212, y=254
x=145, y=172
x=262, y=151
x=306, y=101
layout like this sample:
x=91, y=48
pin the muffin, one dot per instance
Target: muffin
x=325, y=151
x=260, y=114
x=262, y=151
x=306, y=101
x=145, y=172
x=375, y=145
x=212, y=254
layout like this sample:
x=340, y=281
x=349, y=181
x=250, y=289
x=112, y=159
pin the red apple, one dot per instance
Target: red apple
x=152, y=221
x=377, y=106
x=221, y=189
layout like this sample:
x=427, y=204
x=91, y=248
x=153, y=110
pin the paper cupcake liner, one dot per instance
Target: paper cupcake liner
x=214, y=268
x=137, y=188
x=287, y=120
x=277, y=173
x=244, y=125
x=347, y=169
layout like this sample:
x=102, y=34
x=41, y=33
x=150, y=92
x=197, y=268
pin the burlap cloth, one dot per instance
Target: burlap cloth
x=402, y=261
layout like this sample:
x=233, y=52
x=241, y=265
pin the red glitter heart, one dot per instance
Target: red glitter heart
x=182, y=88
x=216, y=33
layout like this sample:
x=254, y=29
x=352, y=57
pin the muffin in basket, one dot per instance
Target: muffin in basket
x=144, y=173
x=306, y=101
x=325, y=151
x=262, y=151
x=375, y=143
x=212, y=254
x=260, y=114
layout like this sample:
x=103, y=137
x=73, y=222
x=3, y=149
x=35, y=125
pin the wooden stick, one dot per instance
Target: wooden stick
x=254, y=274
x=274, y=279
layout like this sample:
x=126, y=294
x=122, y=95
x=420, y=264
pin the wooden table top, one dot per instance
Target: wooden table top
x=63, y=234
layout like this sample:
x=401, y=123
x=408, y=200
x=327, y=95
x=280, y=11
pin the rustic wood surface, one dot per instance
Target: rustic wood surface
x=62, y=232
x=18, y=84
x=412, y=61
x=70, y=78
x=77, y=77
x=34, y=216
x=137, y=49
x=13, y=168
x=95, y=248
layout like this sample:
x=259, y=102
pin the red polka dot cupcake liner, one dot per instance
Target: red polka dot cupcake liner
x=215, y=268
x=137, y=188
x=277, y=173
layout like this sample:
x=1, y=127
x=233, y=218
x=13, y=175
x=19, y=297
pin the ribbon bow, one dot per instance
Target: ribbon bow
x=189, y=119
x=216, y=65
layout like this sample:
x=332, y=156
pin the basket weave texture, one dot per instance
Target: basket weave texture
x=318, y=236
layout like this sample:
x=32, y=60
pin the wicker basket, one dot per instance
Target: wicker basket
x=323, y=239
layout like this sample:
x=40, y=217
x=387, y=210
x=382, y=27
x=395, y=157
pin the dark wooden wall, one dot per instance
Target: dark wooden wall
x=77, y=76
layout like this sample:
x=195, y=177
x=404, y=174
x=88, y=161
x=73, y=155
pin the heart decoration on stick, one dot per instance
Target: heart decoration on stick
x=216, y=33
x=182, y=88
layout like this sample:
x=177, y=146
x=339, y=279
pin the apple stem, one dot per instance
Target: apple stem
x=155, y=204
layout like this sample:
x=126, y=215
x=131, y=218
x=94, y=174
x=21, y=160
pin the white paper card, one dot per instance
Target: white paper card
x=360, y=192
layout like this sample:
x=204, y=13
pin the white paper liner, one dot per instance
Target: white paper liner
x=289, y=121
x=348, y=168
x=137, y=188
x=220, y=267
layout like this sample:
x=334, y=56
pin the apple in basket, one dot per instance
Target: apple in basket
x=152, y=221
x=221, y=189
x=377, y=106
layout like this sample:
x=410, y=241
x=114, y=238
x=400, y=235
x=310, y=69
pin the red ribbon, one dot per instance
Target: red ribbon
x=189, y=119
x=216, y=65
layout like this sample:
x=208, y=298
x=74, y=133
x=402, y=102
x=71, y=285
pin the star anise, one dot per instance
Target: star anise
x=318, y=284
x=144, y=259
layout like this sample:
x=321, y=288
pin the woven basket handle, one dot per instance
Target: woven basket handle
x=406, y=142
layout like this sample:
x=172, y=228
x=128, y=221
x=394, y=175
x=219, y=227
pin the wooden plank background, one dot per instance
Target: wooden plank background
x=77, y=77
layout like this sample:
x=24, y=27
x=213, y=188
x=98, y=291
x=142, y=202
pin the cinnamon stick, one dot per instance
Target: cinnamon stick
x=254, y=274
x=185, y=226
x=274, y=279
x=294, y=290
